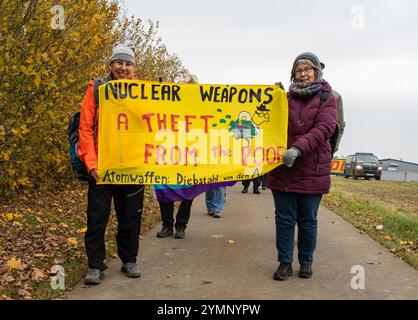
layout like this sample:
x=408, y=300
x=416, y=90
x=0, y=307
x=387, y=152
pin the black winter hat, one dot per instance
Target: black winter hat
x=309, y=56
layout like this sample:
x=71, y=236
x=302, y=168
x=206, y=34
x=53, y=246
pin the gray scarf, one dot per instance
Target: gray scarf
x=305, y=90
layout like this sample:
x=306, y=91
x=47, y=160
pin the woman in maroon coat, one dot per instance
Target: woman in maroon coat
x=299, y=184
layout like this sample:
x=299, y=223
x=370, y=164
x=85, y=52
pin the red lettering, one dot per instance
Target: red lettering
x=147, y=153
x=147, y=118
x=124, y=117
x=162, y=123
x=172, y=155
x=160, y=153
x=187, y=117
x=205, y=118
x=174, y=122
x=274, y=155
x=192, y=152
x=246, y=151
x=257, y=159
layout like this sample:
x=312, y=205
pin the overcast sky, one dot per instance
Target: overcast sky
x=370, y=49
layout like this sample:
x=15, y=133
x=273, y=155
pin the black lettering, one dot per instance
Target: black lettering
x=123, y=95
x=124, y=178
x=143, y=96
x=256, y=95
x=266, y=92
x=130, y=90
x=224, y=97
x=242, y=92
x=113, y=89
x=107, y=176
x=180, y=179
x=232, y=93
x=206, y=95
x=154, y=92
x=175, y=93
x=165, y=92
x=216, y=99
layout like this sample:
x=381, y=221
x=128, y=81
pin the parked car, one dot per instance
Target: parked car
x=362, y=165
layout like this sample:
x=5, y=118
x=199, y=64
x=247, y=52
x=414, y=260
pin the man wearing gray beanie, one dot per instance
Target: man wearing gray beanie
x=128, y=199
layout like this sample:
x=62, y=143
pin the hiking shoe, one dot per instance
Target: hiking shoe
x=165, y=232
x=131, y=270
x=180, y=234
x=245, y=190
x=210, y=213
x=104, y=265
x=93, y=277
x=256, y=191
x=305, y=271
x=283, y=271
x=217, y=215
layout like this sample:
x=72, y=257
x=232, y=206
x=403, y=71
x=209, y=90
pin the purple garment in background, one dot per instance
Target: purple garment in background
x=169, y=193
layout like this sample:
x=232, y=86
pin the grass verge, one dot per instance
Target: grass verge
x=39, y=231
x=386, y=210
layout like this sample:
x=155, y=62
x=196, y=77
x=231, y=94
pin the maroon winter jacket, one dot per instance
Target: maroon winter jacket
x=310, y=128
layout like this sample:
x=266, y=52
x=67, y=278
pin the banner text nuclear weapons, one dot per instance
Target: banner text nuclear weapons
x=189, y=133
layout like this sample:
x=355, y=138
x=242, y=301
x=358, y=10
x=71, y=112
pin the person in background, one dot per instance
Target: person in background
x=183, y=213
x=298, y=184
x=180, y=224
x=256, y=185
x=215, y=200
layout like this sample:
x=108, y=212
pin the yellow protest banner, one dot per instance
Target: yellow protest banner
x=170, y=133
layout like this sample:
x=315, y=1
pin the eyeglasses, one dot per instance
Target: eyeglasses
x=306, y=71
x=120, y=63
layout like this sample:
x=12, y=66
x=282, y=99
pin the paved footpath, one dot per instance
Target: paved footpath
x=235, y=257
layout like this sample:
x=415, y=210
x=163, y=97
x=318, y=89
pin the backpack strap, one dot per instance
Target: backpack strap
x=334, y=137
x=323, y=97
x=98, y=82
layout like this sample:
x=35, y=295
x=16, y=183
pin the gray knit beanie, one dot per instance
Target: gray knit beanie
x=125, y=52
x=312, y=58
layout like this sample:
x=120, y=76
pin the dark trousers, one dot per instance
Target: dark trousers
x=292, y=208
x=256, y=183
x=182, y=217
x=264, y=181
x=128, y=201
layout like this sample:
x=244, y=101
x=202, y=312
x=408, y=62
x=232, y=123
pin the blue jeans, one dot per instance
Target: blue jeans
x=292, y=208
x=215, y=199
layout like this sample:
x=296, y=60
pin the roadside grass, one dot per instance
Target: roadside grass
x=386, y=210
x=39, y=231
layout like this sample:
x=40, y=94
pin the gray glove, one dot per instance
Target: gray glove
x=290, y=156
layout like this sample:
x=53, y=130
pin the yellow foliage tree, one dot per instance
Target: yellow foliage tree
x=47, y=55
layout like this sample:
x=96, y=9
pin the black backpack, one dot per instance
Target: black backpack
x=334, y=137
x=78, y=167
